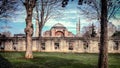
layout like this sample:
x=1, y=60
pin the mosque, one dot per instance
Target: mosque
x=58, y=30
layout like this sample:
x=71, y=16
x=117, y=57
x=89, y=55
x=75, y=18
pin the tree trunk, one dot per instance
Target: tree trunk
x=41, y=24
x=29, y=33
x=103, y=55
x=29, y=5
x=40, y=31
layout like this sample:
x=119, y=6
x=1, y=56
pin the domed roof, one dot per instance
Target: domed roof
x=59, y=25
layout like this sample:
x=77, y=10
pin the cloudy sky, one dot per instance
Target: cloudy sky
x=70, y=16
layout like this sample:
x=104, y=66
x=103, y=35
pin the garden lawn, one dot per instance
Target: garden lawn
x=54, y=60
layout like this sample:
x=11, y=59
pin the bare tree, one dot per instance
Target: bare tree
x=5, y=29
x=90, y=29
x=104, y=9
x=29, y=5
x=7, y=7
x=6, y=33
x=46, y=9
x=92, y=9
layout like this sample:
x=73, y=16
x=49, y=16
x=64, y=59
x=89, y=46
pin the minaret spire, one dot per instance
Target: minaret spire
x=78, y=28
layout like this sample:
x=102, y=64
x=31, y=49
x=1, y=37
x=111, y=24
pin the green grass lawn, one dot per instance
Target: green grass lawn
x=54, y=60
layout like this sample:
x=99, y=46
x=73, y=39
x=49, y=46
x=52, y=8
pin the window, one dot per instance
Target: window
x=56, y=46
x=59, y=34
x=116, y=47
x=43, y=46
x=2, y=47
x=86, y=45
x=70, y=46
x=15, y=45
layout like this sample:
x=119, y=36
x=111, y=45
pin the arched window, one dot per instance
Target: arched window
x=70, y=46
x=59, y=34
x=43, y=46
x=56, y=46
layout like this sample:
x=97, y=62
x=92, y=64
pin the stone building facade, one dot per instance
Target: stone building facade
x=58, y=39
x=58, y=44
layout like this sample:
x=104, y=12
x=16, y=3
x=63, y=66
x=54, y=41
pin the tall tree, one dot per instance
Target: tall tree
x=105, y=10
x=46, y=9
x=29, y=5
x=103, y=55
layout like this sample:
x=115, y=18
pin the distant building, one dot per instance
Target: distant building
x=58, y=30
x=19, y=35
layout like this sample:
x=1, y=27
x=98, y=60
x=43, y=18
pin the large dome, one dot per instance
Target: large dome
x=58, y=25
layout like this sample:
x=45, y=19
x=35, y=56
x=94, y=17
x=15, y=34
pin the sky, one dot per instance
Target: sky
x=69, y=19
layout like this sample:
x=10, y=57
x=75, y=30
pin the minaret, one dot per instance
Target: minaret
x=78, y=28
x=37, y=23
x=37, y=28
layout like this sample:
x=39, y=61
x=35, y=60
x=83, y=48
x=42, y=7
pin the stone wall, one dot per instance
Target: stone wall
x=55, y=44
